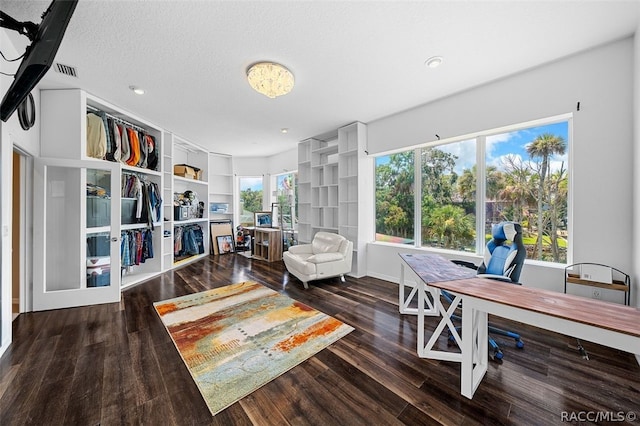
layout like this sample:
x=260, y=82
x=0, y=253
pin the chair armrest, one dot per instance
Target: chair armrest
x=300, y=249
x=325, y=257
x=466, y=264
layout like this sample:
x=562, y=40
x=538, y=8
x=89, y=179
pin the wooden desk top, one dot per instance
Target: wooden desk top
x=610, y=316
x=433, y=268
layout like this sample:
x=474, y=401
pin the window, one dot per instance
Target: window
x=250, y=198
x=448, y=196
x=395, y=198
x=527, y=182
x=286, y=197
x=523, y=177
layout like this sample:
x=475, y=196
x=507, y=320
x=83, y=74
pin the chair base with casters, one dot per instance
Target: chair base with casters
x=495, y=353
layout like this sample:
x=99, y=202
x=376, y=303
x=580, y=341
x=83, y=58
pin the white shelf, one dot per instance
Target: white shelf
x=189, y=181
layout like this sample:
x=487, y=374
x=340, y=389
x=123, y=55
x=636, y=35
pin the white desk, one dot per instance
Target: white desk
x=605, y=323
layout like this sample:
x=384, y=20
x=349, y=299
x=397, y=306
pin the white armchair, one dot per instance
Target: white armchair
x=328, y=255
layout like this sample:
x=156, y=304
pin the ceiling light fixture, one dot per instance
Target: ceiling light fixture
x=284, y=130
x=137, y=90
x=433, y=62
x=270, y=79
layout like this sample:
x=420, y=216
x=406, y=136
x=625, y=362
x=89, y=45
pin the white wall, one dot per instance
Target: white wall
x=276, y=164
x=602, y=169
x=636, y=181
x=11, y=134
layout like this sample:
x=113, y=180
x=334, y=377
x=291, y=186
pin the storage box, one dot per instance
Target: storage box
x=180, y=212
x=184, y=170
x=98, y=245
x=98, y=211
x=102, y=279
x=128, y=211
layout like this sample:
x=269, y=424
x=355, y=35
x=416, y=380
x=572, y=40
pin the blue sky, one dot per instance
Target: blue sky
x=253, y=183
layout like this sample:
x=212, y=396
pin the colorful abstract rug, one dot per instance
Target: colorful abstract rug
x=235, y=339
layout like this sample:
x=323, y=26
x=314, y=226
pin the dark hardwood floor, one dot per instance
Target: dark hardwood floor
x=115, y=364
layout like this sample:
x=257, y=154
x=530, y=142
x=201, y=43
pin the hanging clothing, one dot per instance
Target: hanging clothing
x=134, y=145
x=188, y=240
x=125, y=147
x=152, y=153
x=96, y=137
x=136, y=247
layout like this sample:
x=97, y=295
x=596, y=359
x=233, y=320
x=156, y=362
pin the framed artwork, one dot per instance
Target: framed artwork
x=225, y=244
x=218, y=208
x=262, y=219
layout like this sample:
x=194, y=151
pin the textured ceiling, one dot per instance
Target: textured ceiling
x=352, y=60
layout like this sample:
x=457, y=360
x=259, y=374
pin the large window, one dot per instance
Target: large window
x=522, y=176
x=527, y=182
x=448, y=196
x=286, y=199
x=395, y=198
x=250, y=198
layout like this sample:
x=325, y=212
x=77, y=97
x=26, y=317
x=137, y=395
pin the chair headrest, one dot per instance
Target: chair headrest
x=505, y=230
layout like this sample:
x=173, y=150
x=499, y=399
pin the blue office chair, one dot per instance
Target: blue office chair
x=502, y=261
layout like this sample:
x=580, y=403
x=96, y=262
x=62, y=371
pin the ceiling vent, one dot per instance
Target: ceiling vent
x=66, y=70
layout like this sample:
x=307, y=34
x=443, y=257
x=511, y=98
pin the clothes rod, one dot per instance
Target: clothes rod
x=133, y=126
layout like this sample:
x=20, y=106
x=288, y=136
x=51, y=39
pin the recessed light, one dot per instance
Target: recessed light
x=284, y=130
x=137, y=90
x=433, y=62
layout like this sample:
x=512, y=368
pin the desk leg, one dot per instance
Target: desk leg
x=428, y=351
x=403, y=303
x=475, y=356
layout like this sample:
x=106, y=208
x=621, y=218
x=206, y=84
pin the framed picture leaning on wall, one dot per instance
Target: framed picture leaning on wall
x=225, y=244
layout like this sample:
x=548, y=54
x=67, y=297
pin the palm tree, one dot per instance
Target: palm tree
x=544, y=147
x=451, y=226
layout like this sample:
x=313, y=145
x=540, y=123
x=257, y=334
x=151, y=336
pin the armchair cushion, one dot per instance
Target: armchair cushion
x=325, y=242
x=325, y=257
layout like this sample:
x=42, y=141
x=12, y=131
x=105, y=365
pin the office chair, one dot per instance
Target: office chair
x=503, y=262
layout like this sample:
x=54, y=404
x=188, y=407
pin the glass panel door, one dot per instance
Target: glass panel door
x=78, y=260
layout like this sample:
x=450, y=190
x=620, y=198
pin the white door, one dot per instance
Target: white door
x=76, y=233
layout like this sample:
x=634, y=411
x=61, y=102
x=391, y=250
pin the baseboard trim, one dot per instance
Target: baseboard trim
x=384, y=277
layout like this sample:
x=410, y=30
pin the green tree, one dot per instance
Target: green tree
x=544, y=147
x=394, y=196
x=438, y=175
x=451, y=226
x=251, y=200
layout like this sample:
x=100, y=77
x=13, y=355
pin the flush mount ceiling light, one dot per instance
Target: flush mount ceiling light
x=433, y=62
x=137, y=90
x=270, y=79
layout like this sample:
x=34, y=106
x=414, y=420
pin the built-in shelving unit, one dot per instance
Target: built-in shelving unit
x=220, y=187
x=304, y=192
x=356, y=199
x=65, y=138
x=197, y=215
x=324, y=185
x=335, y=189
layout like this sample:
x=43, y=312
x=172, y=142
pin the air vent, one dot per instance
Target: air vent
x=66, y=70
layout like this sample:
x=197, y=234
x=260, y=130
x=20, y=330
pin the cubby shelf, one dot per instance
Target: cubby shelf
x=335, y=189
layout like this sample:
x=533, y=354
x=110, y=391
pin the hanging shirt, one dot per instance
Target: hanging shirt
x=124, y=145
x=96, y=137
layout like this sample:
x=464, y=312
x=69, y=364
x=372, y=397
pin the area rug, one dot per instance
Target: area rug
x=235, y=339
